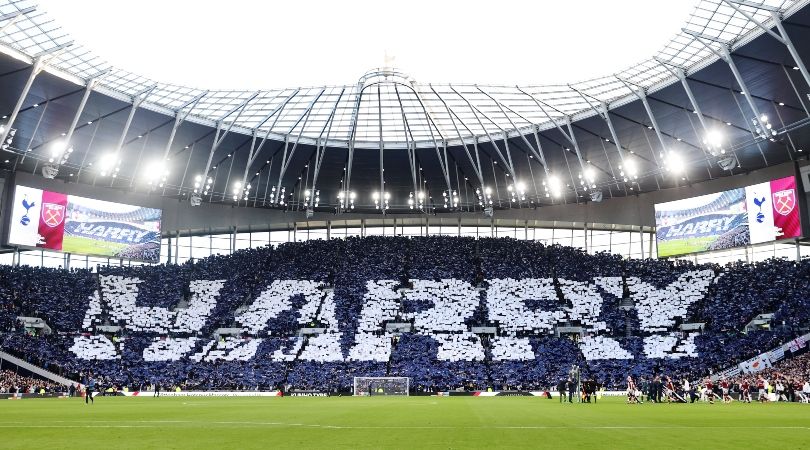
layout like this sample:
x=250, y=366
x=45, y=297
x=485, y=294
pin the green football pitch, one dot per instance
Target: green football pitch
x=677, y=247
x=397, y=422
x=85, y=246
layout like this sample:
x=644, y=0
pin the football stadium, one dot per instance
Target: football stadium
x=453, y=224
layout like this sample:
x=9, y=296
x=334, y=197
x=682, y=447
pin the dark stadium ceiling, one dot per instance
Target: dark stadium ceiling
x=389, y=134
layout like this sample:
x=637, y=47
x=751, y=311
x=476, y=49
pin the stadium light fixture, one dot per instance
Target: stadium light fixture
x=240, y=191
x=237, y=187
x=628, y=171
x=312, y=198
x=673, y=162
x=714, y=142
x=450, y=199
x=553, y=186
x=768, y=132
x=108, y=164
x=517, y=190
x=346, y=199
x=381, y=200
x=277, y=197
x=416, y=200
x=198, y=184
x=57, y=149
x=9, y=138
x=484, y=195
x=156, y=173
x=588, y=178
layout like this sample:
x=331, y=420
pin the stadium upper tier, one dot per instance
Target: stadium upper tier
x=386, y=106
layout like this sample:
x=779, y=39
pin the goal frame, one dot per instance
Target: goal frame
x=367, y=392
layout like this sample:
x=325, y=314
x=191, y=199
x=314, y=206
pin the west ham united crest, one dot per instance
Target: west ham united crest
x=784, y=201
x=53, y=214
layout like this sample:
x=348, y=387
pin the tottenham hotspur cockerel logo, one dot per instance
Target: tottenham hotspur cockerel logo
x=25, y=220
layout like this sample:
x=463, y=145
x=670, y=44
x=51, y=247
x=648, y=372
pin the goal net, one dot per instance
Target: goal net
x=381, y=385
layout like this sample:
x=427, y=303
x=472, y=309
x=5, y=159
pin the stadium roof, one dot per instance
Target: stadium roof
x=386, y=105
x=457, y=133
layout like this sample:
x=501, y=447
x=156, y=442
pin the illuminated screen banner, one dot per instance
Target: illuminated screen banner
x=763, y=212
x=72, y=224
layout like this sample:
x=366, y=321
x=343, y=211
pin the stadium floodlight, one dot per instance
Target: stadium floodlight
x=588, y=178
x=450, y=199
x=240, y=191
x=108, y=164
x=416, y=200
x=768, y=132
x=346, y=199
x=156, y=173
x=237, y=187
x=198, y=184
x=9, y=139
x=484, y=195
x=517, y=190
x=385, y=197
x=60, y=152
x=553, y=186
x=277, y=197
x=714, y=142
x=673, y=162
x=628, y=171
x=312, y=198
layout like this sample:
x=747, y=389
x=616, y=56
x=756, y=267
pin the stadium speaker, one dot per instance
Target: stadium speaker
x=488, y=211
x=727, y=162
x=195, y=200
x=309, y=213
x=596, y=196
x=50, y=172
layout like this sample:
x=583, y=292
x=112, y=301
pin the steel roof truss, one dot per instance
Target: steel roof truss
x=782, y=36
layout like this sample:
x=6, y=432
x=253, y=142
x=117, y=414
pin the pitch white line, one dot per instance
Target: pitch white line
x=156, y=423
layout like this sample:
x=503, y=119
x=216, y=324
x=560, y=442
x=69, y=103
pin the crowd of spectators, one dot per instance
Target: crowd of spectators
x=13, y=383
x=628, y=313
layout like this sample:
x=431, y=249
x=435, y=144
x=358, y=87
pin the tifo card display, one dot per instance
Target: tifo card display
x=73, y=224
x=755, y=214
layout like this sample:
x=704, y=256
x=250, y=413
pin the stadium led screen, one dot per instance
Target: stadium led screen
x=755, y=214
x=72, y=224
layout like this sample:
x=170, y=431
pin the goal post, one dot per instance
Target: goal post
x=367, y=386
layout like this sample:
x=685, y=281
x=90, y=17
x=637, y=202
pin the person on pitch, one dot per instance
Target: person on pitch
x=709, y=390
x=90, y=387
x=572, y=388
x=762, y=390
x=632, y=394
x=745, y=391
x=724, y=388
x=561, y=390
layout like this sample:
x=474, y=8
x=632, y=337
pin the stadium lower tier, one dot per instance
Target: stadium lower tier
x=446, y=312
x=414, y=356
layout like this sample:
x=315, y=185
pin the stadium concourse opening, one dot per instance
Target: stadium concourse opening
x=178, y=262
